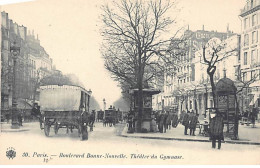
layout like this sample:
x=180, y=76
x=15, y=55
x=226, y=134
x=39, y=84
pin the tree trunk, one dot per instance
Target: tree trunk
x=140, y=95
x=213, y=88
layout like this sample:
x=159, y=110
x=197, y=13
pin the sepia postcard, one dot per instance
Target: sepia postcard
x=130, y=82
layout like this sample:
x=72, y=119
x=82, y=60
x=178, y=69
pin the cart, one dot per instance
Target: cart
x=65, y=106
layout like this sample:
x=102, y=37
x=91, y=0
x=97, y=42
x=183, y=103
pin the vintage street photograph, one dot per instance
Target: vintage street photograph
x=130, y=82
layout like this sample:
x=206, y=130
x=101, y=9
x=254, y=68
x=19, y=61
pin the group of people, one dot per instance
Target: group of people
x=189, y=121
x=251, y=115
x=165, y=121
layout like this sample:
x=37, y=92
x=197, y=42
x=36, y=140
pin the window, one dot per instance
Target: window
x=245, y=23
x=245, y=58
x=246, y=40
x=252, y=3
x=254, y=20
x=253, y=56
x=252, y=74
x=254, y=37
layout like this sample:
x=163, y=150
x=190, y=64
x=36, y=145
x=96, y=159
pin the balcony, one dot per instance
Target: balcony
x=250, y=8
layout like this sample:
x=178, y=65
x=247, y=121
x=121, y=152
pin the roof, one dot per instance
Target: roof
x=226, y=85
x=65, y=87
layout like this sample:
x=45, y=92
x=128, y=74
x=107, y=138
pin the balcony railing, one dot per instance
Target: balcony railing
x=250, y=6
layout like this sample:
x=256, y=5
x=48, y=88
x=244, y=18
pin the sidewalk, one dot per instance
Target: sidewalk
x=247, y=135
x=6, y=127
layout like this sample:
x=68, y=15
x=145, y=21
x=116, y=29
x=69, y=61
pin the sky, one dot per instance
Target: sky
x=69, y=30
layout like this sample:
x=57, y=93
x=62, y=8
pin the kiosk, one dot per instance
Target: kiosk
x=227, y=106
x=147, y=107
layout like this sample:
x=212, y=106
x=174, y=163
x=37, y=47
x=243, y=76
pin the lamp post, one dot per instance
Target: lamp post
x=90, y=92
x=15, y=51
x=104, y=103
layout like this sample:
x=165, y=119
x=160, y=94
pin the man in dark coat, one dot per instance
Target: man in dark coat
x=192, y=123
x=168, y=120
x=174, y=120
x=161, y=122
x=216, y=130
x=254, y=116
x=92, y=120
x=185, y=122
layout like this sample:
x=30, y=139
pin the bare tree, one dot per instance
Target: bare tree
x=213, y=52
x=134, y=47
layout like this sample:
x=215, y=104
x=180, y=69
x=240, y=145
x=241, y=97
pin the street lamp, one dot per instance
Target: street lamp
x=15, y=51
x=104, y=103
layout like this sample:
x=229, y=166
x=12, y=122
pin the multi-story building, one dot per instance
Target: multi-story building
x=226, y=66
x=250, y=52
x=12, y=32
x=39, y=64
x=32, y=61
x=176, y=94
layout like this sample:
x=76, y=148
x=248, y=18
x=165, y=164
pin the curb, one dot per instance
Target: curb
x=195, y=140
x=123, y=134
x=14, y=130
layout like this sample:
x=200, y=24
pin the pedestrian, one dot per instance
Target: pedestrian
x=168, y=120
x=193, y=119
x=185, y=122
x=92, y=120
x=104, y=122
x=165, y=121
x=130, y=121
x=153, y=125
x=161, y=121
x=174, y=120
x=216, y=127
x=254, y=116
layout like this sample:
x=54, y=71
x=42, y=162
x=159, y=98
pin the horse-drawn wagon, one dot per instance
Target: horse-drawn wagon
x=65, y=106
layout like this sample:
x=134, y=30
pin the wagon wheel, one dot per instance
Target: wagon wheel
x=84, y=131
x=56, y=128
x=47, y=129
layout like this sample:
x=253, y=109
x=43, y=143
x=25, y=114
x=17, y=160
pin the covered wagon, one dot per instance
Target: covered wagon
x=65, y=106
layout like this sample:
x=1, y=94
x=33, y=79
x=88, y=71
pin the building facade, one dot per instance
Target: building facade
x=250, y=53
x=189, y=87
x=179, y=87
x=32, y=59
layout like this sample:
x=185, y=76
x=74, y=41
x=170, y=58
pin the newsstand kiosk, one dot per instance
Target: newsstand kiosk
x=147, y=107
x=227, y=106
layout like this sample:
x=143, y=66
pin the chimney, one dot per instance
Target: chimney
x=188, y=27
x=203, y=27
x=228, y=28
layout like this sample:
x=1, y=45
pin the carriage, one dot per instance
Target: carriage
x=65, y=106
x=111, y=116
x=100, y=115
